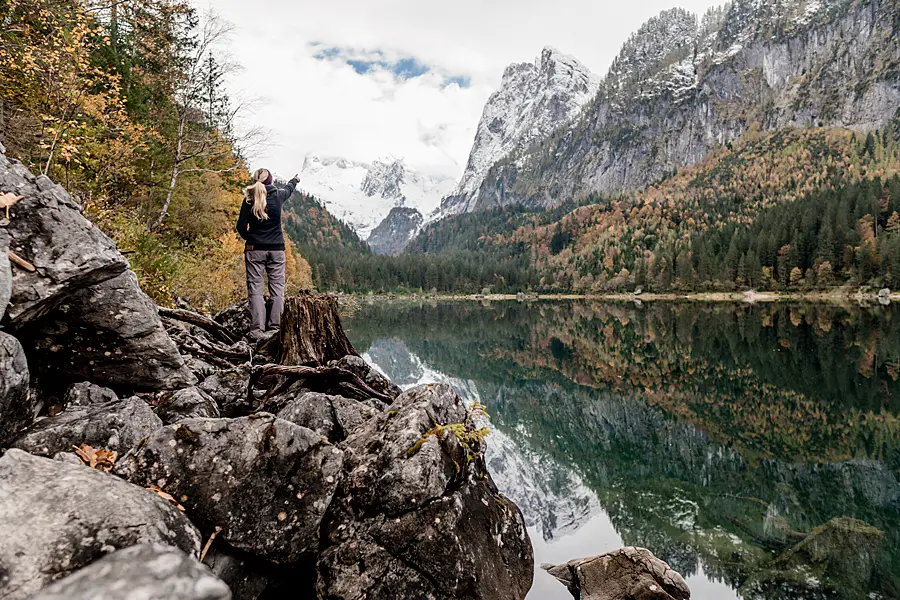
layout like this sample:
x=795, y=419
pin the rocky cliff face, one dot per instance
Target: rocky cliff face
x=398, y=227
x=363, y=194
x=681, y=87
x=533, y=101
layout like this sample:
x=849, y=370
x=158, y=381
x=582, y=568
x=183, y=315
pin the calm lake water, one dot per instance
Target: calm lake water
x=756, y=449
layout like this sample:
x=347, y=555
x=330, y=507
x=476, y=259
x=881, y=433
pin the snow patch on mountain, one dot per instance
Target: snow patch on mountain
x=363, y=194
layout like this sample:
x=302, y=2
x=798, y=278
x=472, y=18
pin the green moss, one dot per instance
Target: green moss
x=470, y=437
x=184, y=435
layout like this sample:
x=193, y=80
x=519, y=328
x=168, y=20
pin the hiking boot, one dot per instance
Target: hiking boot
x=255, y=335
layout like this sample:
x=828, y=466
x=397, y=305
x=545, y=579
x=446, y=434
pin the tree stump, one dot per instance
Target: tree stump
x=311, y=331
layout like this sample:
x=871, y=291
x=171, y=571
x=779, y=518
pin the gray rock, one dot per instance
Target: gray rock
x=332, y=417
x=621, y=575
x=229, y=389
x=17, y=406
x=68, y=457
x=418, y=516
x=88, y=394
x=47, y=229
x=841, y=556
x=369, y=374
x=145, y=572
x=116, y=426
x=246, y=576
x=189, y=403
x=395, y=231
x=5, y=273
x=236, y=318
x=265, y=481
x=110, y=334
x=199, y=368
x=57, y=517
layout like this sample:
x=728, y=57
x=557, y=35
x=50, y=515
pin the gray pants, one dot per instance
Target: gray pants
x=270, y=262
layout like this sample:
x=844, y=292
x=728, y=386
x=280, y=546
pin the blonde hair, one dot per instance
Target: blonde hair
x=256, y=194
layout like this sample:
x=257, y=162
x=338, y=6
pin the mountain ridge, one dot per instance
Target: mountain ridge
x=778, y=64
x=362, y=194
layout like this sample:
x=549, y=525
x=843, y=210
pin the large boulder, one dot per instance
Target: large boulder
x=841, y=557
x=57, y=517
x=621, y=575
x=146, y=571
x=47, y=229
x=417, y=514
x=117, y=426
x=266, y=482
x=17, y=406
x=332, y=417
x=111, y=334
x=236, y=318
x=189, y=403
x=86, y=393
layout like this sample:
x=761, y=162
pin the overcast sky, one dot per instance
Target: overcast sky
x=366, y=79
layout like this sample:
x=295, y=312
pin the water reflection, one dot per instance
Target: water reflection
x=722, y=438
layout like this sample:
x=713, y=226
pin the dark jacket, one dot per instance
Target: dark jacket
x=265, y=235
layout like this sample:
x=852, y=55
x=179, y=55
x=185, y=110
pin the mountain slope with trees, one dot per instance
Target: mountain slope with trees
x=791, y=209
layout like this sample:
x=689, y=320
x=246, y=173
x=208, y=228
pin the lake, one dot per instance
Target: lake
x=756, y=449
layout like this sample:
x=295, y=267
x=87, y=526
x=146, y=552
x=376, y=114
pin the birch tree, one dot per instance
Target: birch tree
x=208, y=137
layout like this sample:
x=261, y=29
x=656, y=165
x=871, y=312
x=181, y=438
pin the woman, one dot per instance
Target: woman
x=260, y=225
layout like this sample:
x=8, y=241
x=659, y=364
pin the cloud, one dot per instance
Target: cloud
x=369, y=78
x=402, y=67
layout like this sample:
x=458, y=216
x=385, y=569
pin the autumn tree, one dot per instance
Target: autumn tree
x=207, y=137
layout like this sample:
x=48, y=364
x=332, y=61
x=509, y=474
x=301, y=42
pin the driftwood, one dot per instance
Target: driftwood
x=188, y=316
x=316, y=379
x=311, y=331
x=214, y=352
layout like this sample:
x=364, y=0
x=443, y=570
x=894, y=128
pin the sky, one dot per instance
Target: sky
x=369, y=79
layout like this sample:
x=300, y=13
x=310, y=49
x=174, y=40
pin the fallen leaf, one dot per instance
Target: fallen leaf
x=166, y=496
x=96, y=458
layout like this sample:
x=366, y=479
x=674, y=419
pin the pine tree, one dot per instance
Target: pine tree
x=742, y=270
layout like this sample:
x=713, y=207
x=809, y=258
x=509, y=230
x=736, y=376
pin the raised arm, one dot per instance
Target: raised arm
x=243, y=220
x=287, y=191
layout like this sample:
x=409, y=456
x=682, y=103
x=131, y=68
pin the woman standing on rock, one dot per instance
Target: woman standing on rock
x=260, y=225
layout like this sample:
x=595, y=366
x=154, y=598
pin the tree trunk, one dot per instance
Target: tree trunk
x=175, y=172
x=311, y=331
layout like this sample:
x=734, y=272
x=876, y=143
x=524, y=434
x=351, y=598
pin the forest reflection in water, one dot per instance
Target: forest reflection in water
x=754, y=448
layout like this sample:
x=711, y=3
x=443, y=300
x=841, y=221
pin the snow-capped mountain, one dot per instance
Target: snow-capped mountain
x=363, y=194
x=534, y=99
x=682, y=86
x=396, y=230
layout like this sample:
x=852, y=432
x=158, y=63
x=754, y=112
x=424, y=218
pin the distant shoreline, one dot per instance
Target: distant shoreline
x=841, y=296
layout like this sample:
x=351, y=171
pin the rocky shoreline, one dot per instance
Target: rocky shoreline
x=841, y=296
x=155, y=454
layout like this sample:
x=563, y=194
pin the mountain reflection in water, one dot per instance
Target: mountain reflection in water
x=756, y=449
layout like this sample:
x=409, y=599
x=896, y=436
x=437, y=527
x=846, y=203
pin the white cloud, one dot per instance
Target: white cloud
x=326, y=107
